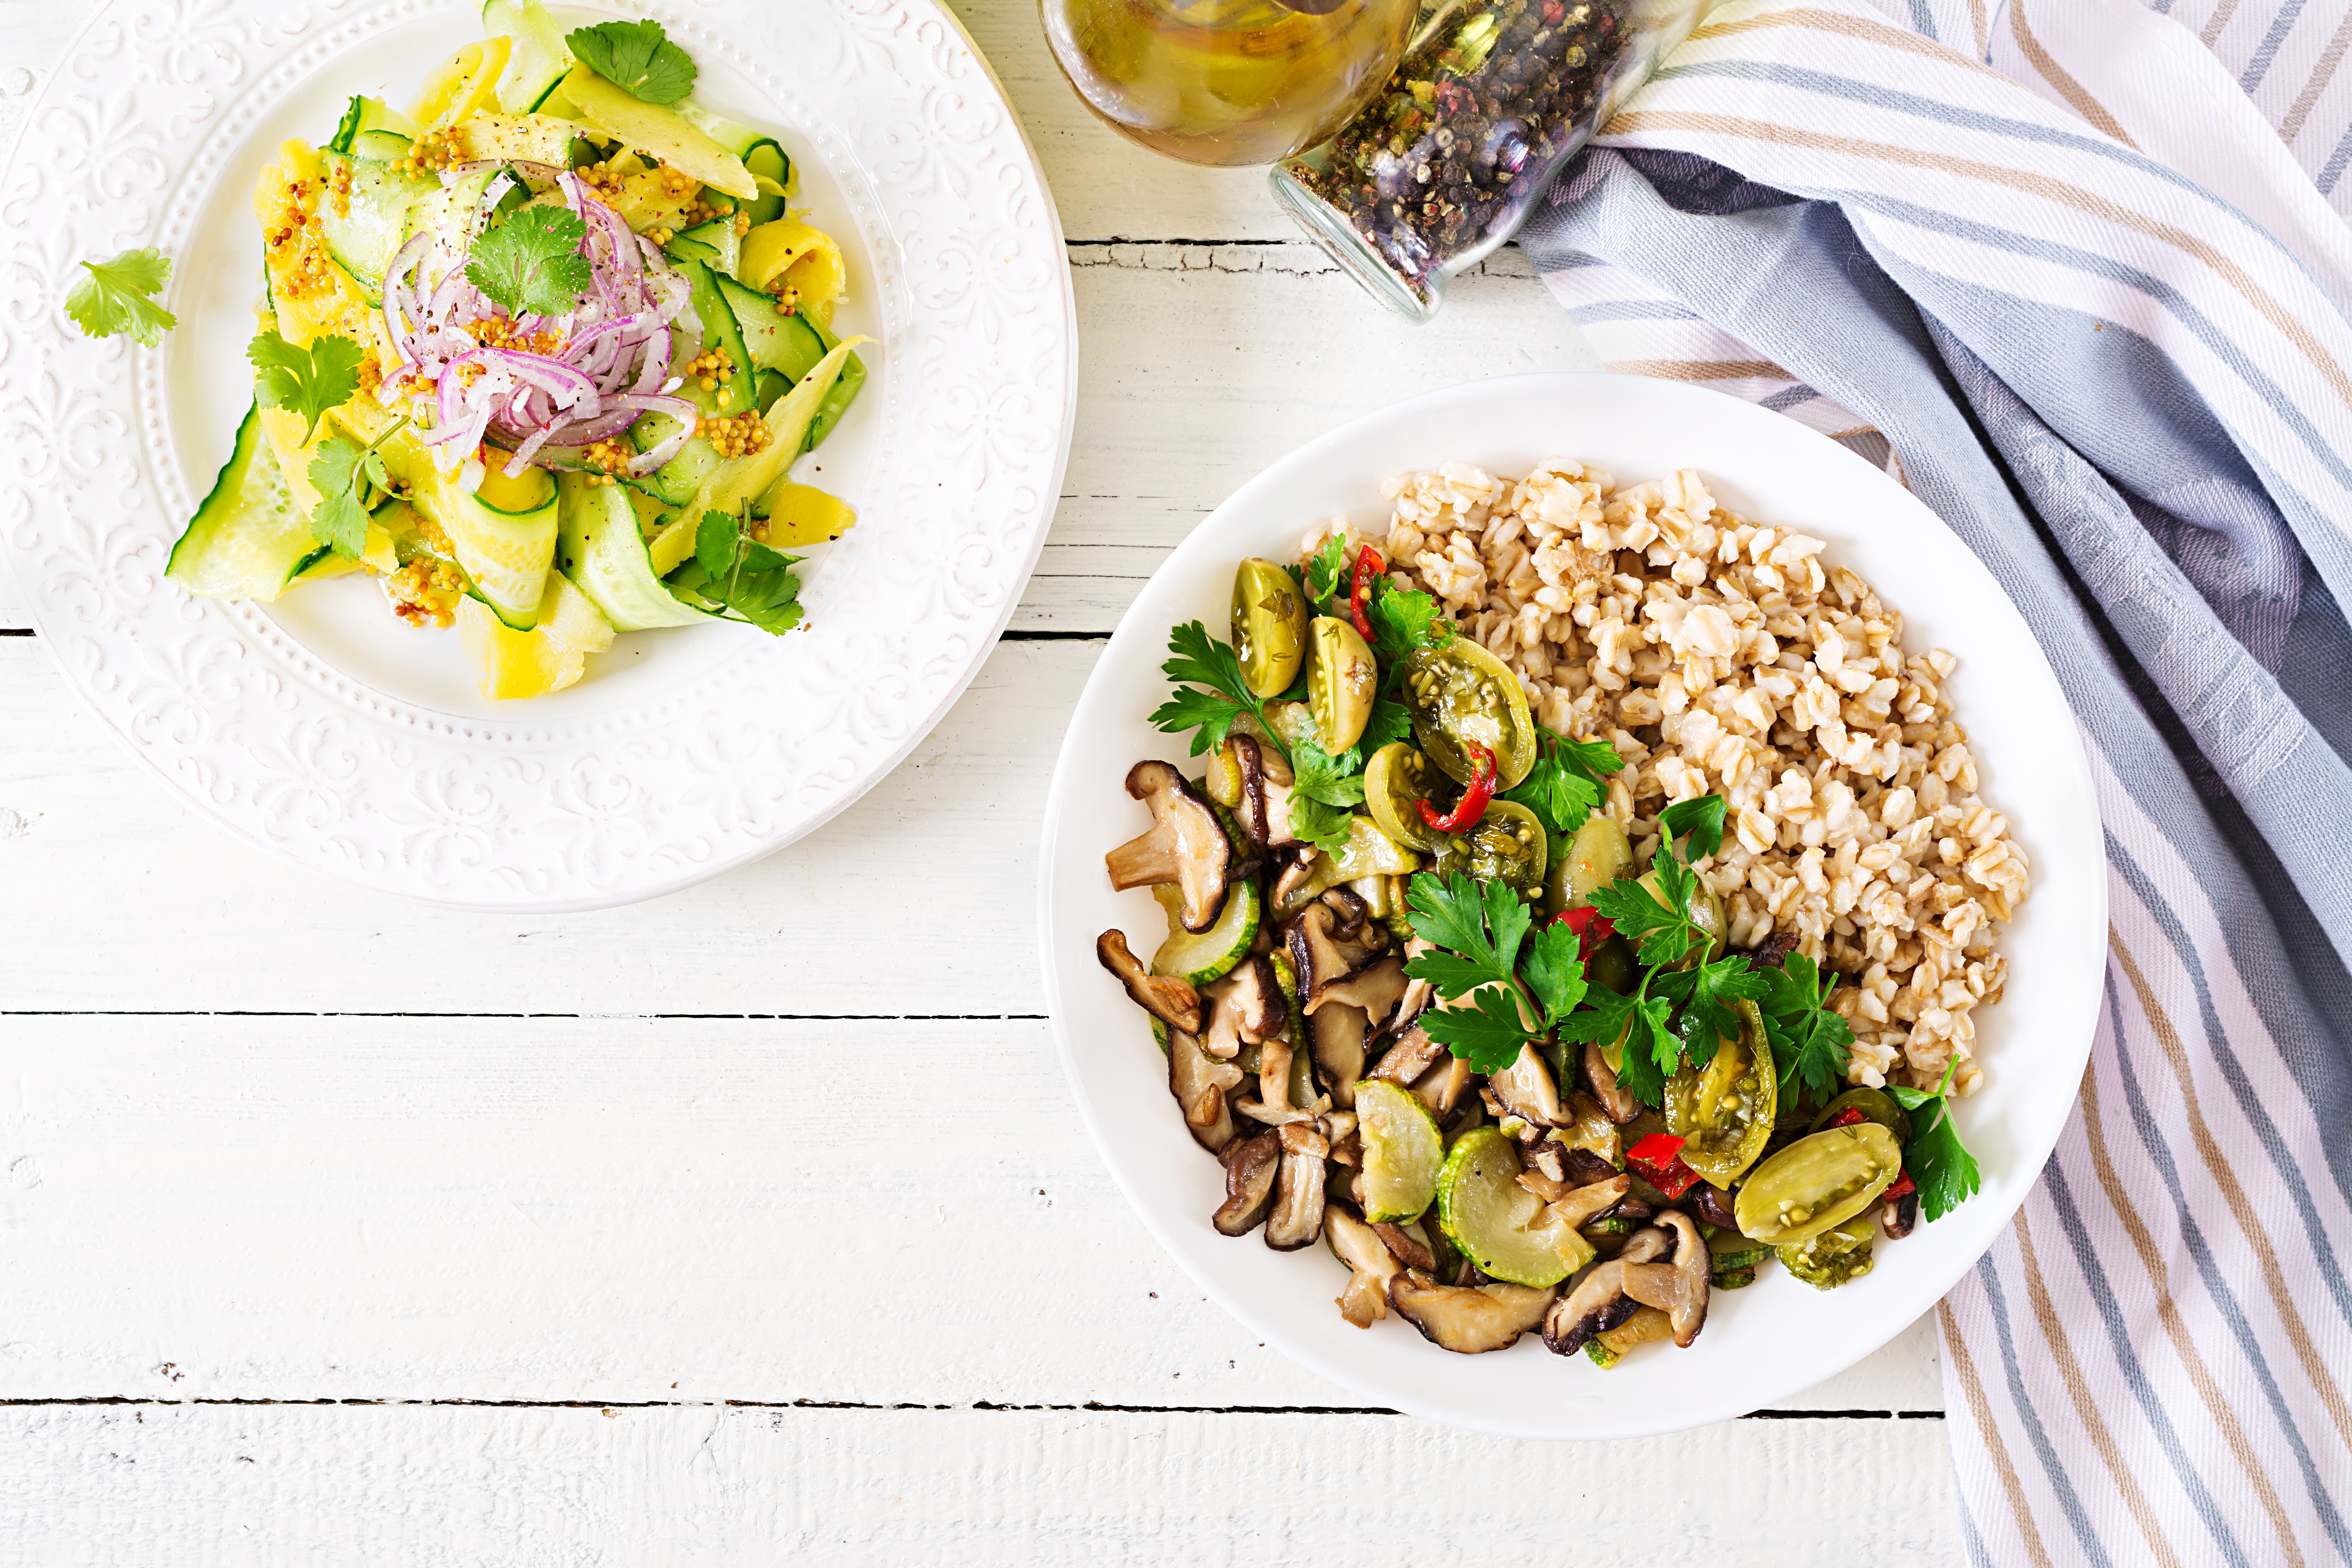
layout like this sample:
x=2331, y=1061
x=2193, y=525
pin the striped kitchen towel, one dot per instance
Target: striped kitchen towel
x=2074, y=264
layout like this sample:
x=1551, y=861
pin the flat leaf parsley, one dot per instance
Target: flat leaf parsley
x=635, y=57
x=1942, y=1168
x=1501, y=1001
x=118, y=297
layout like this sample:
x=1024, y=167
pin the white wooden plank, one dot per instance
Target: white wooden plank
x=604, y=1210
x=482, y=1489
x=118, y=897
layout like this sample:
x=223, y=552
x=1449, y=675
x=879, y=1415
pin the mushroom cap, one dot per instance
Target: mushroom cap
x=1365, y=1302
x=1320, y=954
x=1338, y=1034
x=1469, y=1319
x=1249, y=1166
x=1620, y=1106
x=1186, y=845
x=1166, y=997
x=1264, y=809
x=1408, y=1056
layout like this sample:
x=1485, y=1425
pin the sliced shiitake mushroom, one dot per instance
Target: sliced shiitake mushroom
x=1469, y=1319
x=1202, y=1084
x=1246, y=1008
x=1250, y=1165
x=1297, y=1216
x=1186, y=845
x=1371, y=1266
x=1167, y=998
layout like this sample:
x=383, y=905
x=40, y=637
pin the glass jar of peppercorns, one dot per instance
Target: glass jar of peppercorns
x=1492, y=100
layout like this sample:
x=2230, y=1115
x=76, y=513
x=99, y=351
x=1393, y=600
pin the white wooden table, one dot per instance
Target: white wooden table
x=336, y=1230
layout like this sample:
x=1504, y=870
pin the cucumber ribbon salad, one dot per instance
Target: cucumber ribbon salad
x=1423, y=1000
x=538, y=353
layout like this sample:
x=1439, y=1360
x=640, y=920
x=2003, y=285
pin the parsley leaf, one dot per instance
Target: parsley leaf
x=1705, y=996
x=1323, y=791
x=1564, y=785
x=1482, y=927
x=530, y=264
x=308, y=381
x=1809, y=1042
x=1390, y=722
x=1651, y=1053
x=741, y=576
x=1199, y=658
x=1701, y=820
x=1330, y=570
x=1554, y=970
x=637, y=56
x=1662, y=932
x=1404, y=619
x=116, y=298
x=1940, y=1165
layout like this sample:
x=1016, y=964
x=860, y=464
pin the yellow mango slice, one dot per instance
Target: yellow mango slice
x=802, y=515
x=552, y=654
x=805, y=258
x=658, y=132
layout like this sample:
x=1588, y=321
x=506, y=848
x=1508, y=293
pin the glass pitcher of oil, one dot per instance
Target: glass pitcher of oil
x=1227, y=82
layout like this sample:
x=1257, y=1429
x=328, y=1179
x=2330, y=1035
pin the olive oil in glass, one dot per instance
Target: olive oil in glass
x=1227, y=82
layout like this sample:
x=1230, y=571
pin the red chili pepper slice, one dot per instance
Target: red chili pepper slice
x=1847, y=1117
x=1902, y=1186
x=1592, y=927
x=1657, y=1149
x=1474, y=796
x=1369, y=566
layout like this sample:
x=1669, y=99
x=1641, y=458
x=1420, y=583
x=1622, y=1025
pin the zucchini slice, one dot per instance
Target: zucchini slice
x=1197, y=958
x=1499, y=1225
x=247, y=536
x=505, y=542
x=599, y=547
x=1403, y=1151
x=538, y=58
x=369, y=229
x=362, y=115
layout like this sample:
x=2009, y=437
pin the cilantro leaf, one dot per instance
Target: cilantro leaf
x=745, y=579
x=637, y=56
x=309, y=382
x=1486, y=1031
x=339, y=521
x=1198, y=657
x=1554, y=971
x=1811, y=1044
x=531, y=264
x=1701, y=820
x=115, y=300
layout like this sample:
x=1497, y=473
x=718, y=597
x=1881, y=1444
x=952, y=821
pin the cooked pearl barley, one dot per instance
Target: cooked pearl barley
x=1721, y=656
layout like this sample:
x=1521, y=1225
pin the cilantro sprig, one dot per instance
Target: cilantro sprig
x=744, y=578
x=1940, y=1164
x=635, y=57
x=117, y=299
x=530, y=263
x=1503, y=1002
x=339, y=521
x=307, y=381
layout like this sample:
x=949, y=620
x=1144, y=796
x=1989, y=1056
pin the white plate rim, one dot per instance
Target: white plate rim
x=949, y=109
x=1065, y=951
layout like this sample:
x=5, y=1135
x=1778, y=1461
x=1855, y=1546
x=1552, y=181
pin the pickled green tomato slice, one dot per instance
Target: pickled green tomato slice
x=1835, y=1256
x=1395, y=778
x=1875, y=1103
x=1724, y=1110
x=1498, y=1225
x=1596, y=857
x=1402, y=1151
x=1818, y=1181
x=1508, y=845
x=1269, y=627
x=1462, y=696
x=1341, y=681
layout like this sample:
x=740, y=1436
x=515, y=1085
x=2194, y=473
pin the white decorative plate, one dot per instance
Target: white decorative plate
x=1759, y=1344
x=322, y=729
